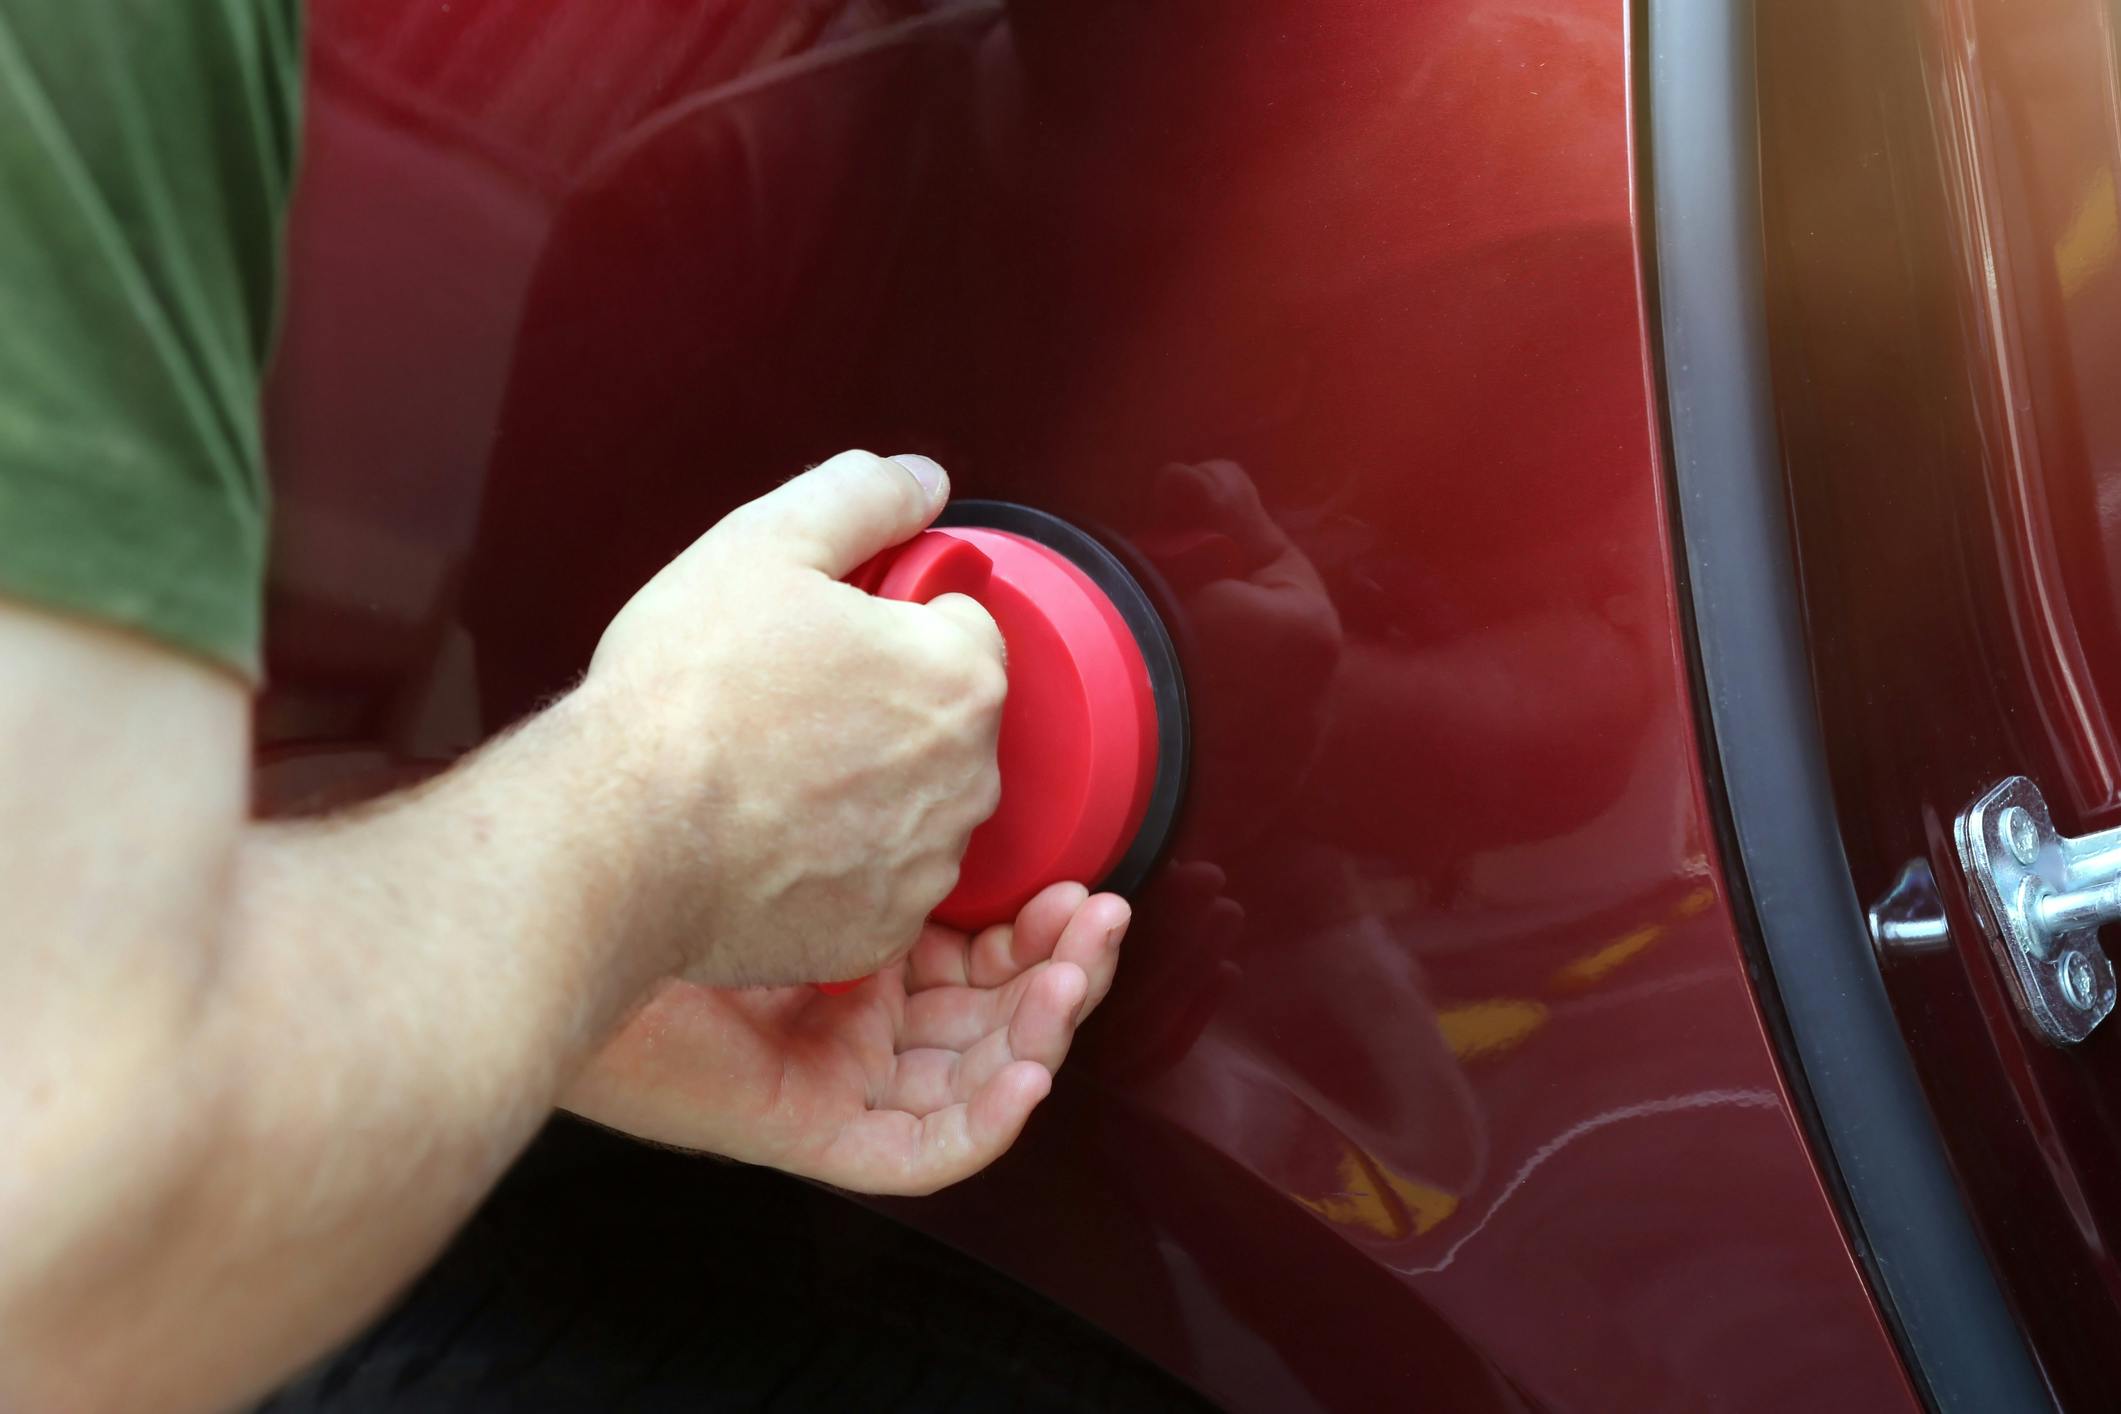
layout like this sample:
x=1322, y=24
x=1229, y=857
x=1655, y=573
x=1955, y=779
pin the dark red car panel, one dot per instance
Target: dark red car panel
x=1945, y=301
x=1434, y=1071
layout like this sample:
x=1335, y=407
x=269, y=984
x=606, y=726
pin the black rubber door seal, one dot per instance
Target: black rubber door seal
x=1766, y=757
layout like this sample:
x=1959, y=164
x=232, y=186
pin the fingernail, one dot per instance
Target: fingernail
x=924, y=470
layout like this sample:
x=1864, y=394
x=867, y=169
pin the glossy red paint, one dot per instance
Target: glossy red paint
x=1433, y=1072
x=1944, y=259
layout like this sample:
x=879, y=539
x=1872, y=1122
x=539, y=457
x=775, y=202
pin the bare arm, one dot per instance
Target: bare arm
x=257, y=1074
x=251, y=1076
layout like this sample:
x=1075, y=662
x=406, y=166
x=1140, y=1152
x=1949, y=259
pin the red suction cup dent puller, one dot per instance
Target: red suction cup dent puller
x=1078, y=746
x=1094, y=733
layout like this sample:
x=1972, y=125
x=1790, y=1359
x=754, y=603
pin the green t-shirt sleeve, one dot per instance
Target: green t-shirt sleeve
x=146, y=150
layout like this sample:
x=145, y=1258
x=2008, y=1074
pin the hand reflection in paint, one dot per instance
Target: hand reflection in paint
x=1245, y=596
x=1261, y=642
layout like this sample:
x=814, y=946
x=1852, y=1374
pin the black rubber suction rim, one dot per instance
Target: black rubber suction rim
x=1174, y=736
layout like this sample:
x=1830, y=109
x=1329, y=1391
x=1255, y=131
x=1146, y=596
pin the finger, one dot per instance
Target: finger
x=940, y=958
x=1046, y=1015
x=842, y=511
x=891, y=1151
x=959, y=1019
x=969, y=615
x=957, y=990
x=1193, y=881
x=943, y=957
x=1001, y=952
x=1091, y=942
x=1041, y=1029
x=954, y=1018
x=1220, y=495
x=925, y=1080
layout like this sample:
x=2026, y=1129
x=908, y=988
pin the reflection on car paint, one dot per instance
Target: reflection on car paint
x=1433, y=1062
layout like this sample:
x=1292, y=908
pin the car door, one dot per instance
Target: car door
x=1434, y=1065
x=1944, y=301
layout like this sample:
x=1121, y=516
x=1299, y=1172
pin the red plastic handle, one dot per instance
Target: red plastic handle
x=1078, y=747
x=926, y=567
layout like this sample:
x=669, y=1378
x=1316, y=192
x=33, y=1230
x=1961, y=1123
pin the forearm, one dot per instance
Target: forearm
x=387, y=1007
x=258, y=1073
x=459, y=946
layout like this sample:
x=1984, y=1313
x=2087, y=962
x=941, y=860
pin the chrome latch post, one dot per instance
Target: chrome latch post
x=2041, y=897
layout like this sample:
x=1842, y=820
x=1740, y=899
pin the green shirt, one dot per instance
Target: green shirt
x=146, y=150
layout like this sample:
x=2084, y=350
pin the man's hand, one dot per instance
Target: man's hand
x=252, y=1075
x=816, y=758
x=920, y=1076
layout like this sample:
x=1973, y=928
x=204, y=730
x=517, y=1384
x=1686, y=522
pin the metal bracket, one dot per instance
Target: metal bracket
x=1909, y=922
x=2041, y=896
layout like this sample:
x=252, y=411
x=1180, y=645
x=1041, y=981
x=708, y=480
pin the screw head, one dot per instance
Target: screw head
x=2077, y=982
x=2021, y=834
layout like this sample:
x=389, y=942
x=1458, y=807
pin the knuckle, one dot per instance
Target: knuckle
x=745, y=523
x=886, y=481
x=848, y=465
x=950, y=652
x=968, y=674
x=988, y=686
x=933, y=650
x=928, y=884
x=969, y=620
x=987, y=795
x=982, y=624
x=903, y=929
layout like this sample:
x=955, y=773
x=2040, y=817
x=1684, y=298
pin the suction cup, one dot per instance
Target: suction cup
x=1094, y=738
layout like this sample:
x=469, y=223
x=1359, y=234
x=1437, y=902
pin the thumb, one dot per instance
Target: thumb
x=842, y=511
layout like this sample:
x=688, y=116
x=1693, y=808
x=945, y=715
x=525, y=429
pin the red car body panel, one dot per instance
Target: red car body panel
x=1433, y=1072
x=1945, y=298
